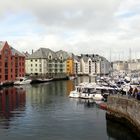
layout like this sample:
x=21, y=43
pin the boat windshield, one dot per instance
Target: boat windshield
x=88, y=90
x=78, y=89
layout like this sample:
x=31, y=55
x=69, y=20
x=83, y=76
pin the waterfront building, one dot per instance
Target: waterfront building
x=134, y=65
x=94, y=64
x=120, y=65
x=105, y=65
x=12, y=63
x=46, y=62
x=77, y=65
x=66, y=59
x=70, y=64
x=86, y=64
x=73, y=64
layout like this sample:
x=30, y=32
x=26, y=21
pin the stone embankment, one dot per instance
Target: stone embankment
x=124, y=110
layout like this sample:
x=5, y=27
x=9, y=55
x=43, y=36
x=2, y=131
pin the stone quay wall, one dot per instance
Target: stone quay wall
x=124, y=110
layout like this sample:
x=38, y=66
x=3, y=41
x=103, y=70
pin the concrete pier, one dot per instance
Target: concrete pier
x=124, y=110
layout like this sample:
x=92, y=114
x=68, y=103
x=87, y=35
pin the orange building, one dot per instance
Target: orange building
x=12, y=63
x=70, y=65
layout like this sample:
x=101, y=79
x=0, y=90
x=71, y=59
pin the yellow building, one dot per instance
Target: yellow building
x=70, y=66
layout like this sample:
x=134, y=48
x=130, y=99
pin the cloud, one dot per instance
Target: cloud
x=73, y=14
x=79, y=26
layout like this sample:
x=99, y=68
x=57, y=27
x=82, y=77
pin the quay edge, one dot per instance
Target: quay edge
x=124, y=110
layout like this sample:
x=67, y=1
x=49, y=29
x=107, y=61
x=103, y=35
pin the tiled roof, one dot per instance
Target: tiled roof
x=93, y=57
x=64, y=54
x=42, y=53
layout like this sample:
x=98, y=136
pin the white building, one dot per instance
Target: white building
x=76, y=65
x=44, y=61
x=134, y=65
x=120, y=66
x=94, y=64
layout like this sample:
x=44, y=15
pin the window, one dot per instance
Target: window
x=6, y=64
x=36, y=60
x=6, y=52
x=36, y=65
x=31, y=65
x=50, y=57
x=31, y=60
x=6, y=77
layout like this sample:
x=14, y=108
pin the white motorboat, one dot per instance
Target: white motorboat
x=98, y=97
x=76, y=93
x=22, y=81
x=88, y=92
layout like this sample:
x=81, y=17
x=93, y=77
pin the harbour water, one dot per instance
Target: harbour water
x=45, y=112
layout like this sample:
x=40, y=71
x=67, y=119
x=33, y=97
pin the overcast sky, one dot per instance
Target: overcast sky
x=78, y=26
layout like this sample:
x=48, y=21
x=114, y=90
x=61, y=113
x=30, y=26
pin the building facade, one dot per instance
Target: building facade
x=93, y=64
x=12, y=63
x=46, y=62
x=120, y=65
x=77, y=65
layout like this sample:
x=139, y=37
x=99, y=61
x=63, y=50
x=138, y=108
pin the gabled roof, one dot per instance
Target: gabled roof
x=2, y=43
x=77, y=58
x=65, y=55
x=14, y=52
x=43, y=53
x=93, y=57
x=85, y=58
x=26, y=54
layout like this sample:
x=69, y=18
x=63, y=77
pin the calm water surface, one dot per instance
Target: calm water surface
x=44, y=112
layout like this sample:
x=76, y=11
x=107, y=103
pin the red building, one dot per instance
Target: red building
x=12, y=63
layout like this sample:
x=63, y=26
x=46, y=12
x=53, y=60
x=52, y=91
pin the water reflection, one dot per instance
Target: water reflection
x=119, y=132
x=12, y=101
x=88, y=103
x=48, y=113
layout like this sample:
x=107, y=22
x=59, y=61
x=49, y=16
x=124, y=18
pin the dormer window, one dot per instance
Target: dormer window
x=50, y=57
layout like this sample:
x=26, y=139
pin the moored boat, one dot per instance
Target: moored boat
x=41, y=80
x=22, y=81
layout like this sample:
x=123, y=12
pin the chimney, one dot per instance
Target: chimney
x=32, y=51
